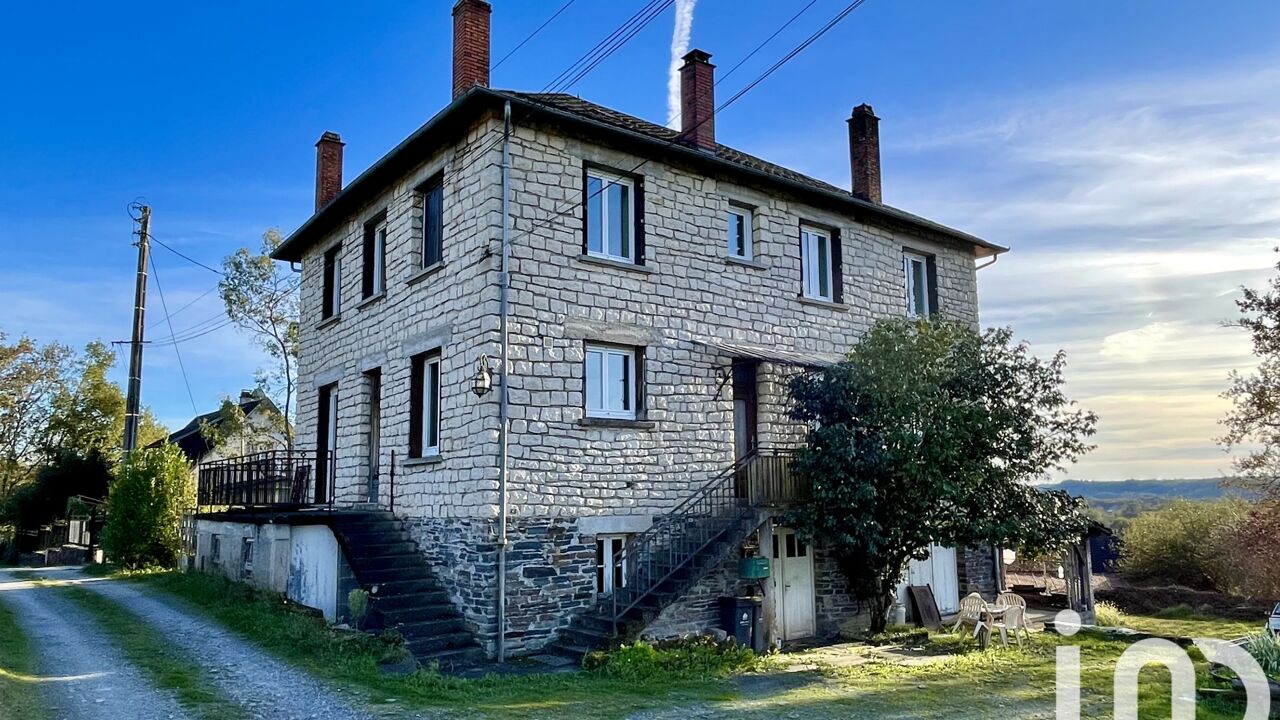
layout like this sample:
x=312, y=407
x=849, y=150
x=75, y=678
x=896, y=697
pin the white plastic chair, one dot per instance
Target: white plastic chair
x=1015, y=621
x=972, y=610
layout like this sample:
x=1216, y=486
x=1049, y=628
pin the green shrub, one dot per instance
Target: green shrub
x=697, y=657
x=358, y=605
x=1181, y=611
x=1265, y=649
x=147, y=499
x=1108, y=615
x=1186, y=543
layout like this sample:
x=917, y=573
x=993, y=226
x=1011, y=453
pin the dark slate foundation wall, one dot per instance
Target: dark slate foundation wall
x=698, y=611
x=978, y=572
x=838, y=613
x=551, y=571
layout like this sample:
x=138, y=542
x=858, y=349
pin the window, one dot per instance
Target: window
x=738, y=232
x=215, y=549
x=611, y=562
x=424, y=405
x=246, y=556
x=432, y=199
x=374, y=280
x=816, y=263
x=332, y=303
x=611, y=217
x=611, y=382
x=918, y=270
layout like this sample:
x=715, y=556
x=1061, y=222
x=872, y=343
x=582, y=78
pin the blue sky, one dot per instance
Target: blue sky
x=1128, y=152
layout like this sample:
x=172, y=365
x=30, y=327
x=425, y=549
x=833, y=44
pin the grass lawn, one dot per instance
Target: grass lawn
x=19, y=699
x=947, y=677
x=165, y=665
x=351, y=661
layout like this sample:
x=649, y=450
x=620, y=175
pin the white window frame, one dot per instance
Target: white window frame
x=908, y=260
x=748, y=224
x=335, y=292
x=628, y=354
x=810, y=268
x=430, y=404
x=606, y=559
x=607, y=179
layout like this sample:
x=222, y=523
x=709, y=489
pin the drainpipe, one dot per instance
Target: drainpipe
x=504, y=285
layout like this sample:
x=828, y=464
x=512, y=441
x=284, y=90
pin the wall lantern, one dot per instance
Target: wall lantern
x=482, y=383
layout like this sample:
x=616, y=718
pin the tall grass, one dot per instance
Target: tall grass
x=1265, y=649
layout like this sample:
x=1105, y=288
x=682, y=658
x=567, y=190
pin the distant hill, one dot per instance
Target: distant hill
x=1144, y=493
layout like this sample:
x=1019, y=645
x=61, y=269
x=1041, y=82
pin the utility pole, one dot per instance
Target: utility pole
x=132, y=399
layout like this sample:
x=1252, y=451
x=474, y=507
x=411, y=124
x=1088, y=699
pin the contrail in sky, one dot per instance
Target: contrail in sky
x=679, y=47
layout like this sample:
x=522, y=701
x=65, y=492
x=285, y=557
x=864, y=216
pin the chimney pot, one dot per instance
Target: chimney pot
x=470, y=45
x=698, y=100
x=328, y=168
x=864, y=152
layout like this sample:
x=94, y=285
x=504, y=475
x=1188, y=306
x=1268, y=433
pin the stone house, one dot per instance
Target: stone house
x=545, y=349
x=260, y=431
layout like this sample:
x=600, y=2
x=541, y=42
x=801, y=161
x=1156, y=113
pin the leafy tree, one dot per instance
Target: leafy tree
x=1253, y=423
x=63, y=478
x=30, y=377
x=233, y=425
x=925, y=433
x=1186, y=543
x=87, y=415
x=151, y=492
x=261, y=298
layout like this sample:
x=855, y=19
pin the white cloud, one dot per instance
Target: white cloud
x=1135, y=210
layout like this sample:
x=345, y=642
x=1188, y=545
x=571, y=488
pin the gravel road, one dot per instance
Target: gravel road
x=262, y=685
x=84, y=676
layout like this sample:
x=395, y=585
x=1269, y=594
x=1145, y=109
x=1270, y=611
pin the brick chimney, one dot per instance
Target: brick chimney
x=470, y=45
x=328, y=168
x=864, y=152
x=698, y=100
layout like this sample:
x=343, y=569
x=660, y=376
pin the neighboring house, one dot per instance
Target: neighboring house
x=261, y=433
x=664, y=288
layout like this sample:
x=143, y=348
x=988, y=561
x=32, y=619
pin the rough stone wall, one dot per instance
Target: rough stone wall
x=685, y=291
x=551, y=574
x=452, y=308
x=977, y=571
x=838, y=613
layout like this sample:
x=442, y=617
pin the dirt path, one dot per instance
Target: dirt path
x=83, y=676
x=263, y=685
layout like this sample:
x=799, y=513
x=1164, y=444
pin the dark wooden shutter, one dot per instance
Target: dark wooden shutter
x=366, y=270
x=638, y=211
x=837, y=267
x=586, y=201
x=639, y=381
x=931, y=269
x=327, y=306
x=433, y=225
x=415, y=406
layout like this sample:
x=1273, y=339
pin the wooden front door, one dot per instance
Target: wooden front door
x=793, y=592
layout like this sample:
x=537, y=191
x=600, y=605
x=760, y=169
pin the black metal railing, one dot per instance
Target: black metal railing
x=268, y=479
x=655, y=556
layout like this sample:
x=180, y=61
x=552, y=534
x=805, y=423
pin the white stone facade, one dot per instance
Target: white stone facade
x=685, y=295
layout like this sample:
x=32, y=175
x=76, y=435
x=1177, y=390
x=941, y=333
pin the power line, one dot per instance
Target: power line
x=186, y=257
x=199, y=297
x=573, y=74
x=737, y=96
x=531, y=35
x=165, y=306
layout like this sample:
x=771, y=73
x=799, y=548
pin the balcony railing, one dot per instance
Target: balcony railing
x=276, y=479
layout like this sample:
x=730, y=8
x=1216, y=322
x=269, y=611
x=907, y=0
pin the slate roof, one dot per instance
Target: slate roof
x=657, y=140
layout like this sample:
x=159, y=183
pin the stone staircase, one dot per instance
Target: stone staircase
x=681, y=548
x=387, y=563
